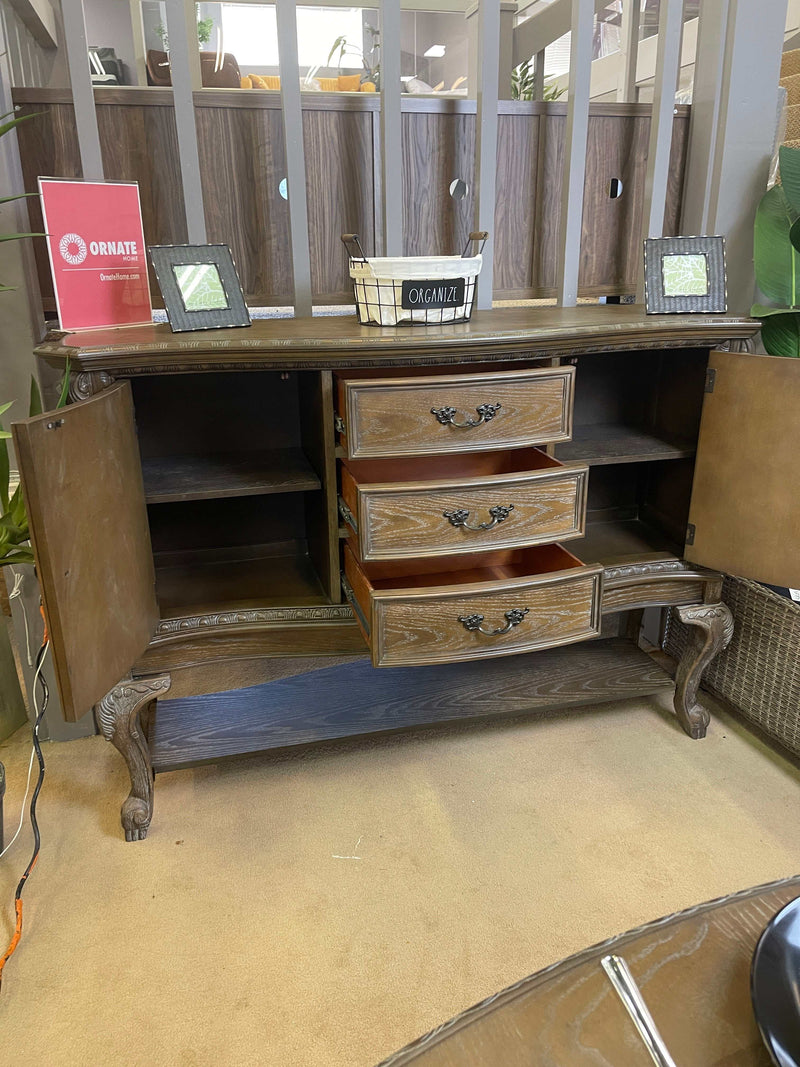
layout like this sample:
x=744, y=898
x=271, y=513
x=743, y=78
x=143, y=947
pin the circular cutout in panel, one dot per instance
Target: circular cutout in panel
x=458, y=188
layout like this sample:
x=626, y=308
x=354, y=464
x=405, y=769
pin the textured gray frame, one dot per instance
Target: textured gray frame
x=656, y=248
x=165, y=257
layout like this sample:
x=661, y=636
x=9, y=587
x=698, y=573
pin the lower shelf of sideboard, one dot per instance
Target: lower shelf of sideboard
x=352, y=698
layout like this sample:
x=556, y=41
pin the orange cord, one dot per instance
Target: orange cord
x=14, y=940
x=46, y=635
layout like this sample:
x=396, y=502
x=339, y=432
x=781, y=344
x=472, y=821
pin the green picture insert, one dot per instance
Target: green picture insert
x=200, y=286
x=685, y=274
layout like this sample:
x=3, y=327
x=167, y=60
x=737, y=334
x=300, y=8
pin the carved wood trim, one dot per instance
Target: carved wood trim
x=117, y=716
x=85, y=384
x=712, y=630
x=223, y=620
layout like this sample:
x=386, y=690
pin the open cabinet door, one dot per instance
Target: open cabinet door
x=82, y=480
x=744, y=518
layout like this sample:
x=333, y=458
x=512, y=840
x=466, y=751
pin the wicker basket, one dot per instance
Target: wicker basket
x=758, y=674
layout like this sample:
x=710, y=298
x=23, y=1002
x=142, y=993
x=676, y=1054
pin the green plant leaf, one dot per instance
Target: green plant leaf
x=775, y=259
x=19, y=236
x=780, y=334
x=20, y=555
x=19, y=196
x=35, y=406
x=5, y=475
x=789, y=159
x=4, y=407
x=7, y=126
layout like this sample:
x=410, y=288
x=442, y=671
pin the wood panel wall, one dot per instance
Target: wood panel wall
x=240, y=139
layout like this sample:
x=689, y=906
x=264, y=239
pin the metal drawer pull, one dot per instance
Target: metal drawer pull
x=499, y=514
x=447, y=416
x=513, y=617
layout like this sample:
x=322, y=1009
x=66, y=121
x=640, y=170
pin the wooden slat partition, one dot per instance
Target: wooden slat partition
x=242, y=157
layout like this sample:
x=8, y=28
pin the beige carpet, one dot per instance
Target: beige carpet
x=326, y=908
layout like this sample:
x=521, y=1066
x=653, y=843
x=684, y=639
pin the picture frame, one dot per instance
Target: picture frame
x=685, y=275
x=200, y=286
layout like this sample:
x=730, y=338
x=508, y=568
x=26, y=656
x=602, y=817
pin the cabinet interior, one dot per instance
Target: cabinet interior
x=240, y=473
x=636, y=422
x=238, y=477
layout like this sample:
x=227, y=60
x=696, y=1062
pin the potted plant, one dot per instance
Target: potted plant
x=775, y=256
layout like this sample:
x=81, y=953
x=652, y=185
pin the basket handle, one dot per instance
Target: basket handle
x=353, y=245
x=476, y=235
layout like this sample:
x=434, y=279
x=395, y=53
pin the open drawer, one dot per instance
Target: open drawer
x=425, y=415
x=413, y=508
x=504, y=603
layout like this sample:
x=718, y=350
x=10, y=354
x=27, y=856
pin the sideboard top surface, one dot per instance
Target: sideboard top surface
x=339, y=341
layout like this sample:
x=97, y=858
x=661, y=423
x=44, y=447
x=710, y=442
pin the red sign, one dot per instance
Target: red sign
x=97, y=253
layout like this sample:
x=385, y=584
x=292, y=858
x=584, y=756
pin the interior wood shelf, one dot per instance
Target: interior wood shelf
x=212, y=477
x=608, y=541
x=618, y=443
x=260, y=581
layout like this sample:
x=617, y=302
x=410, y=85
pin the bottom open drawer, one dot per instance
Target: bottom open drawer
x=506, y=603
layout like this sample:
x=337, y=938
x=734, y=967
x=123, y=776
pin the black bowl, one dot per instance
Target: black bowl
x=775, y=985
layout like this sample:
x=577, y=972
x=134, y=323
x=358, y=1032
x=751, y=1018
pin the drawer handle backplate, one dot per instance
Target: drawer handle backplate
x=459, y=517
x=475, y=622
x=447, y=416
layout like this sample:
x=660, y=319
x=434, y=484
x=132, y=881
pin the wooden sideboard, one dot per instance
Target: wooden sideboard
x=472, y=505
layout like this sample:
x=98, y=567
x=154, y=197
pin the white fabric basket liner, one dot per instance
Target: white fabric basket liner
x=415, y=268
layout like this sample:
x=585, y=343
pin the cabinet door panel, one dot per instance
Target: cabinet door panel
x=746, y=493
x=82, y=480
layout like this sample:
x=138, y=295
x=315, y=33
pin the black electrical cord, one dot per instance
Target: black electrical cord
x=34, y=823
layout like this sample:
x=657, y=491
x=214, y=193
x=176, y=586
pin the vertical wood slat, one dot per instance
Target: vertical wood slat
x=745, y=134
x=629, y=51
x=289, y=67
x=486, y=139
x=709, y=78
x=182, y=32
x=82, y=90
x=538, y=75
x=139, y=47
x=580, y=73
x=668, y=55
x=391, y=132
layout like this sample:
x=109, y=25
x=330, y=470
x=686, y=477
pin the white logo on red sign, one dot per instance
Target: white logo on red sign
x=72, y=248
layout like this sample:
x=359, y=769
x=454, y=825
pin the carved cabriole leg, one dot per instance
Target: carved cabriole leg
x=712, y=630
x=118, y=718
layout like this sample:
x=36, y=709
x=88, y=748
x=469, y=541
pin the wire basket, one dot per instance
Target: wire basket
x=418, y=290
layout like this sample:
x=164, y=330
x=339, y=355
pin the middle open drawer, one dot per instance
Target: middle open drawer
x=445, y=505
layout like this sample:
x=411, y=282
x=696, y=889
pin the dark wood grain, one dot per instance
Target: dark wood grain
x=242, y=163
x=322, y=515
x=437, y=149
x=242, y=158
x=228, y=585
x=48, y=146
x=611, y=243
x=219, y=647
x=226, y=474
x=354, y=699
x=140, y=143
x=339, y=167
x=333, y=342
x=693, y=970
x=517, y=193
x=617, y=443
x=83, y=490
